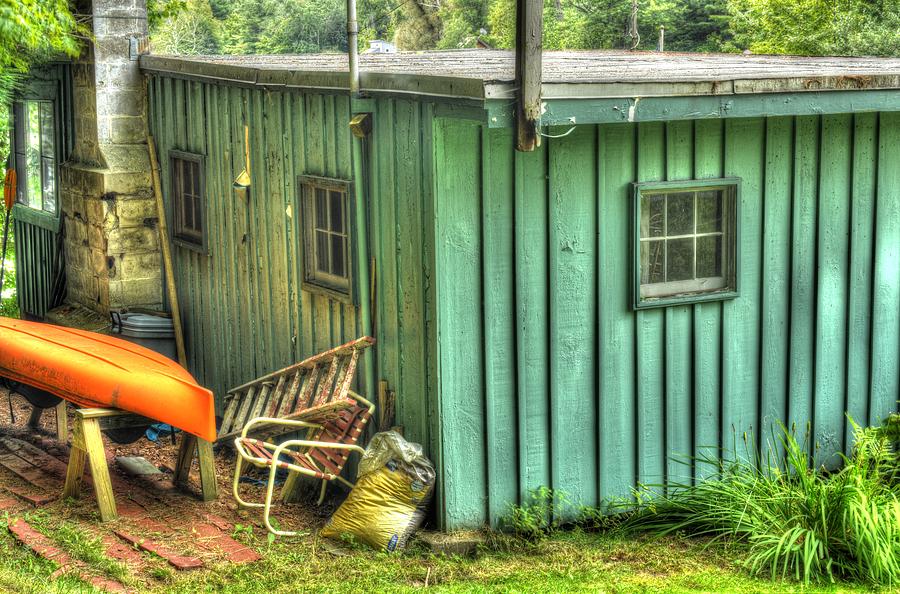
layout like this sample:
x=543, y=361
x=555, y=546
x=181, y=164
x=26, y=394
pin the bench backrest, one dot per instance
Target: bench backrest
x=318, y=384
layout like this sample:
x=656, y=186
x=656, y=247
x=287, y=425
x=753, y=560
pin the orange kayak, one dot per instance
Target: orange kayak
x=95, y=370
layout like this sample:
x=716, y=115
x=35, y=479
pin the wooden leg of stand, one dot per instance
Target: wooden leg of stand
x=99, y=470
x=77, y=458
x=62, y=422
x=185, y=457
x=207, y=470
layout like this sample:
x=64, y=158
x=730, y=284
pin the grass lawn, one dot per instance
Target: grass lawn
x=573, y=561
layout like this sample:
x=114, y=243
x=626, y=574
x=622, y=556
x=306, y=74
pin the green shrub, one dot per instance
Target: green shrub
x=799, y=521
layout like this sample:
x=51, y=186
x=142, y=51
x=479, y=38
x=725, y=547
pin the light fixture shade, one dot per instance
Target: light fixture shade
x=242, y=182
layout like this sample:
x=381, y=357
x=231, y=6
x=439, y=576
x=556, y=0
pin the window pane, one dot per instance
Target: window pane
x=338, y=266
x=709, y=256
x=709, y=211
x=322, y=252
x=680, y=214
x=652, y=215
x=652, y=262
x=48, y=132
x=33, y=155
x=337, y=211
x=680, y=259
x=321, y=209
x=49, y=171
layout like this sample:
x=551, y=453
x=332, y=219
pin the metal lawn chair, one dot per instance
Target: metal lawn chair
x=321, y=456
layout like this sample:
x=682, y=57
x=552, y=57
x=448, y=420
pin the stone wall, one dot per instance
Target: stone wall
x=112, y=248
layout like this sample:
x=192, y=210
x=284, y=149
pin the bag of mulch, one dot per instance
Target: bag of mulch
x=388, y=504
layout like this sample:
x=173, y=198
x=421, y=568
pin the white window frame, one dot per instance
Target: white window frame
x=647, y=295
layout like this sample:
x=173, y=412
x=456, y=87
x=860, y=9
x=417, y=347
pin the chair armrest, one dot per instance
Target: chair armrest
x=274, y=421
x=320, y=444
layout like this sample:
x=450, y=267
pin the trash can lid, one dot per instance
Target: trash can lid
x=145, y=325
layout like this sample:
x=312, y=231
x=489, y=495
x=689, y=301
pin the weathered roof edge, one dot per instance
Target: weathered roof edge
x=461, y=87
x=414, y=84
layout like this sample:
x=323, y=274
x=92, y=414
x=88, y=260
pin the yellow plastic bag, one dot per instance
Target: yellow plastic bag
x=389, y=502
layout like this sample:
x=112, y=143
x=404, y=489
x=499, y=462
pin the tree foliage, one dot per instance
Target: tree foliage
x=845, y=27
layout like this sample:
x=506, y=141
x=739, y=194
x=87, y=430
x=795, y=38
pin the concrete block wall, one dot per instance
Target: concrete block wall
x=112, y=248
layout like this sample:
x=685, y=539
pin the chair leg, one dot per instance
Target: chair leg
x=322, y=492
x=270, y=489
x=237, y=478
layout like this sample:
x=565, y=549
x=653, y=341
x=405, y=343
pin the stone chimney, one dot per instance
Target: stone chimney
x=111, y=244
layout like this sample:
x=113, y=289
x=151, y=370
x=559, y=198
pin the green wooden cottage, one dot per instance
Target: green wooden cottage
x=702, y=247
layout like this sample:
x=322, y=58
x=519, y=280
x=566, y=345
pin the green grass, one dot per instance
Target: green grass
x=567, y=561
x=798, y=522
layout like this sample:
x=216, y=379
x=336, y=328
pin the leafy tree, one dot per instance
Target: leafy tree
x=462, y=22
x=285, y=26
x=191, y=31
x=816, y=27
x=420, y=26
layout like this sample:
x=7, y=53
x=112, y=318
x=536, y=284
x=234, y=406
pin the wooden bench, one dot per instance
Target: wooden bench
x=314, y=395
x=317, y=388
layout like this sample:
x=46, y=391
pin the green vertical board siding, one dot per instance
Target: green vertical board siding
x=803, y=253
x=615, y=339
x=831, y=293
x=499, y=322
x=744, y=158
x=245, y=311
x=532, y=324
x=709, y=152
x=776, y=276
x=679, y=330
x=859, y=303
x=886, y=278
x=460, y=327
x=573, y=299
x=650, y=334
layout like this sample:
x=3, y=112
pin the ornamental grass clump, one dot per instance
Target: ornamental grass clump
x=797, y=521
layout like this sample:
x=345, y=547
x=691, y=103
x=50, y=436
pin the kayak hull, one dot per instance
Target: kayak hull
x=95, y=370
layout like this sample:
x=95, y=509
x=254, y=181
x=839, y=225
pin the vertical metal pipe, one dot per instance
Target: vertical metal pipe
x=352, y=47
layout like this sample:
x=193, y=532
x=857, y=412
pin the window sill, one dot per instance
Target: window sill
x=328, y=292
x=689, y=299
x=190, y=245
x=38, y=218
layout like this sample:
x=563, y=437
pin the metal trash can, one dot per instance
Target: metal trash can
x=155, y=332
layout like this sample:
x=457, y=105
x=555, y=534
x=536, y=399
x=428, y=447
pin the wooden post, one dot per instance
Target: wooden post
x=62, y=422
x=87, y=446
x=529, y=32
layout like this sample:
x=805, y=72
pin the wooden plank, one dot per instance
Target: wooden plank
x=532, y=324
x=573, y=315
x=412, y=412
x=832, y=292
x=859, y=304
x=529, y=36
x=886, y=281
x=96, y=456
x=776, y=281
x=709, y=157
x=744, y=158
x=803, y=272
x=650, y=331
x=679, y=331
x=616, y=146
x=498, y=271
x=386, y=252
x=261, y=253
x=62, y=422
x=458, y=252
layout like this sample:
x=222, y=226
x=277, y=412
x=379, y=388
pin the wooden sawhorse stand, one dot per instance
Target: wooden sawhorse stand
x=87, y=446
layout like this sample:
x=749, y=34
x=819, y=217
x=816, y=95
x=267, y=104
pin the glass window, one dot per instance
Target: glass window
x=326, y=229
x=686, y=241
x=35, y=154
x=188, y=198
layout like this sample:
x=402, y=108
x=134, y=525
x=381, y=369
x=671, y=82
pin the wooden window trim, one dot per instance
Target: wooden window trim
x=188, y=238
x=695, y=290
x=314, y=280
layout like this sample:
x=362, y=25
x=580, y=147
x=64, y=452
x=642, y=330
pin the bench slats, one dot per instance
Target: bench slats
x=315, y=389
